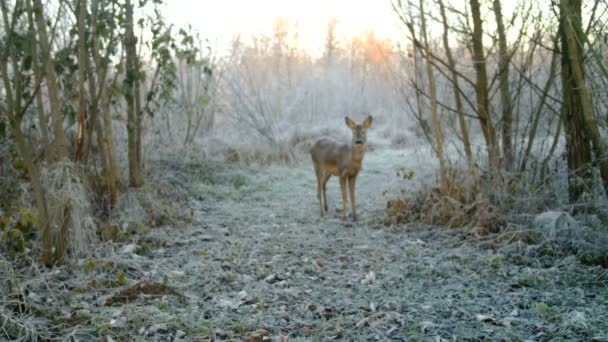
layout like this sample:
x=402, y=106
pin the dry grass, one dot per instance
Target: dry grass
x=458, y=204
x=519, y=212
x=257, y=258
x=69, y=209
x=258, y=156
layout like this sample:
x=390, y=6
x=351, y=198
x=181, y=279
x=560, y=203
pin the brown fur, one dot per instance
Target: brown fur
x=343, y=161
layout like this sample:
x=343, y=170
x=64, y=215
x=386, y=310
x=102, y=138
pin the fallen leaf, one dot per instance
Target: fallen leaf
x=205, y=237
x=202, y=339
x=130, y=294
x=363, y=323
x=294, y=291
x=426, y=325
x=488, y=319
x=258, y=336
x=311, y=307
x=370, y=278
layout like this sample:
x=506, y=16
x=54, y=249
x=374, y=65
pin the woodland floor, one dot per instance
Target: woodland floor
x=255, y=254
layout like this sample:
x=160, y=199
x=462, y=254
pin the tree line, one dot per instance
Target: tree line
x=511, y=78
x=81, y=64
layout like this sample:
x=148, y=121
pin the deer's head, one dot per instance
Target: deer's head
x=359, y=131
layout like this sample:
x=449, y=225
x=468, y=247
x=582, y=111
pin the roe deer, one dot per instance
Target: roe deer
x=344, y=161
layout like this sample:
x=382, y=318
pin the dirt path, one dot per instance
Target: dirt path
x=258, y=256
x=252, y=253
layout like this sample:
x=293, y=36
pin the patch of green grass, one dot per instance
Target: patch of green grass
x=496, y=263
x=238, y=181
x=548, y=312
x=229, y=278
x=533, y=280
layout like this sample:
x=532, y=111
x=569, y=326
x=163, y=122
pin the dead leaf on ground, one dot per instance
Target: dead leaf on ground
x=131, y=294
x=203, y=339
x=258, y=336
x=363, y=323
x=488, y=319
x=70, y=321
x=425, y=326
x=370, y=278
x=273, y=278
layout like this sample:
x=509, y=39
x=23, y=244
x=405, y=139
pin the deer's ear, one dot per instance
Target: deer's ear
x=350, y=123
x=368, y=122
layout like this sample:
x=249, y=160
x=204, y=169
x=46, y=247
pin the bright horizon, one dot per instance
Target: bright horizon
x=221, y=21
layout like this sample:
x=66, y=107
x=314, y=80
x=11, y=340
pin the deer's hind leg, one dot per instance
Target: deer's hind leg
x=325, y=179
x=320, y=189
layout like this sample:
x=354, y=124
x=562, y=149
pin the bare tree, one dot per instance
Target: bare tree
x=504, y=57
x=331, y=43
x=433, y=95
x=82, y=57
x=457, y=92
x=581, y=126
x=131, y=97
x=481, y=90
x=51, y=81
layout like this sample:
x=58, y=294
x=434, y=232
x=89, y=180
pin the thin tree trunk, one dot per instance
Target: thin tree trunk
x=433, y=95
x=578, y=146
x=543, y=167
x=94, y=83
x=113, y=170
x=104, y=101
x=139, y=116
x=458, y=100
x=481, y=90
x=51, y=82
x=25, y=152
x=82, y=12
x=132, y=74
x=505, y=96
x=99, y=134
x=13, y=112
x=538, y=113
x=42, y=117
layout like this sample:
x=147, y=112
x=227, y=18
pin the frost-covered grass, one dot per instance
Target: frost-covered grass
x=255, y=254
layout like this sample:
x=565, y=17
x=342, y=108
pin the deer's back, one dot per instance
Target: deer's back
x=330, y=155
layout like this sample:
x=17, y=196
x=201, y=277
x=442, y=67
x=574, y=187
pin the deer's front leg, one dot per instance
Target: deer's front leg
x=351, y=188
x=320, y=194
x=343, y=181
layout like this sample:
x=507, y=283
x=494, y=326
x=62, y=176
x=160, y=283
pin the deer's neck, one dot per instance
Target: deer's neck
x=358, y=152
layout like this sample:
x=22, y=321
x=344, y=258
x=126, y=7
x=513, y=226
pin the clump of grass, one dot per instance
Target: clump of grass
x=516, y=207
x=12, y=176
x=69, y=209
x=258, y=156
x=556, y=234
x=458, y=203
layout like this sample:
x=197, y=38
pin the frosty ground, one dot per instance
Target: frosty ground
x=253, y=253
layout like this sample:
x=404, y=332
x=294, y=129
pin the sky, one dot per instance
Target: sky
x=220, y=21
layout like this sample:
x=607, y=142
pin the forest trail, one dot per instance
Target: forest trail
x=258, y=256
x=247, y=250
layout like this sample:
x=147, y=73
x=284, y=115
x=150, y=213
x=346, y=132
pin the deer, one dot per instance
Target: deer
x=344, y=161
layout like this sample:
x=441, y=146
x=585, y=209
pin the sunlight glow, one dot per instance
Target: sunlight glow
x=220, y=21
